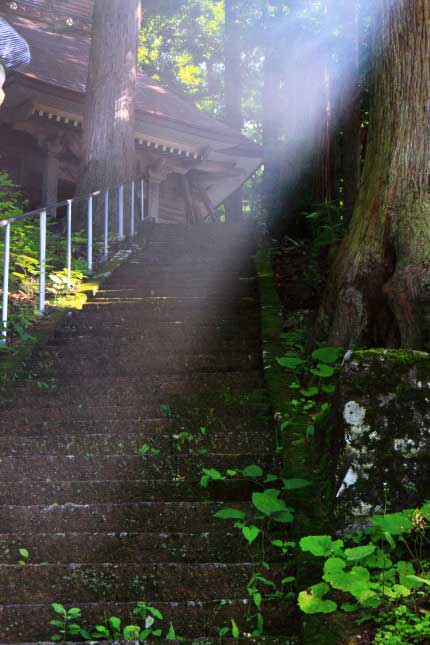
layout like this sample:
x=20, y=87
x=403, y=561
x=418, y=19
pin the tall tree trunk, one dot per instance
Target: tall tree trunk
x=352, y=93
x=271, y=188
x=109, y=153
x=233, y=93
x=378, y=292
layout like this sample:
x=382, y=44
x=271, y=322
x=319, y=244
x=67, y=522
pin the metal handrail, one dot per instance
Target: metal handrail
x=42, y=213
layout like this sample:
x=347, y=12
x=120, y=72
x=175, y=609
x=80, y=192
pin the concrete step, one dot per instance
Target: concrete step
x=122, y=468
x=65, y=443
x=158, y=344
x=178, y=332
x=189, y=619
x=77, y=584
x=150, y=517
x=129, y=362
x=131, y=546
x=104, y=393
x=122, y=492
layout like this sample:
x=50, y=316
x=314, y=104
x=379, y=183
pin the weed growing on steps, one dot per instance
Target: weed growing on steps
x=112, y=629
x=25, y=556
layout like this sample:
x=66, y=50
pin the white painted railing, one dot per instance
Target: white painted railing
x=42, y=214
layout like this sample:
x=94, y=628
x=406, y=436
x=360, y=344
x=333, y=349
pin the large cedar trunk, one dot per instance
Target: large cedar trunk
x=379, y=288
x=109, y=153
x=233, y=92
x=352, y=97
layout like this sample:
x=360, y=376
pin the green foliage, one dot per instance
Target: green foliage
x=24, y=263
x=25, y=556
x=379, y=571
x=401, y=624
x=112, y=629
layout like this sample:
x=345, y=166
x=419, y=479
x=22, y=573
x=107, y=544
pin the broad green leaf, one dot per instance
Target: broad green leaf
x=59, y=609
x=321, y=545
x=213, y=474
x=74, y=612
x=267, y=503
x=349, y=607
x=360, y=552
x=284, y=517
x=115, y=622
x=312, y=600
x=294, y=484
x=418, y=580
x=250, y=533
x=253, y=471
x=393, y=523
x=355, y=582
x=131, y=632
x=323, y=371
x=155, y=612
x=327, y=354
x=25, y=554
x=290, y=362
x=230, y=514
x=310, y=392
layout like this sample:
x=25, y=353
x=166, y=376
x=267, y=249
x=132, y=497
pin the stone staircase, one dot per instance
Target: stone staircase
x=177, y=325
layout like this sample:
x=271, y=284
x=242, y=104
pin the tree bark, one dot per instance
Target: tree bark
x=352, y=93
x=233, y=93
x=378, y=291
x=108, y=152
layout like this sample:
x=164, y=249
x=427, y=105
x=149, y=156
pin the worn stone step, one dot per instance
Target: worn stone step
x=130, y=362
x=62, y=442
x=200, y=310
x=144, y=402
x=88, y=547
x=140, y=397
x=157, y=343
x=122, y=468
x=189, y=619
x=178, y=331
x=172, y=385
x=203, y=640
x=52, y=410
x=151, y=517
x=76, y=583
x=120, y=491
x=168, y=289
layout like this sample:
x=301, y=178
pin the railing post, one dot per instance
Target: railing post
x=90, y=235
x=121, y=212
x=69, y=244
x=5, y=297
x=132, y=209
x=142, y=200
x=106, y=227
x=42, y=263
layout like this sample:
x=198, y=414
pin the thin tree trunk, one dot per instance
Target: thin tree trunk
x=109, y=153
x=233, y=93
x=378, y=292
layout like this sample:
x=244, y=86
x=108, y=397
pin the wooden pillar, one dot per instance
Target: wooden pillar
x=154, y=198
x=50, y=181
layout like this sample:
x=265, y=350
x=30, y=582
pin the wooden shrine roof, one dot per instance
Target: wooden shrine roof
x=60, y=61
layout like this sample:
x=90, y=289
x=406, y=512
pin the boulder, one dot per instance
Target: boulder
x=384, y=428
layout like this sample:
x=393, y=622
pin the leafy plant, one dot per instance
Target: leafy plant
x=25, y=556
x=381, y=570
x=113, y=628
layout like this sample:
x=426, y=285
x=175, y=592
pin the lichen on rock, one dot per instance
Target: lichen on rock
x=384, y=417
